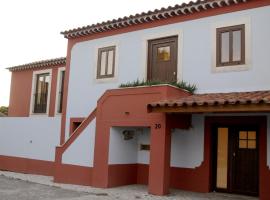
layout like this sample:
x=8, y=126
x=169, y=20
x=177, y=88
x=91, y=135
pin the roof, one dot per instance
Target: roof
x=150, y=16
x=39, y=64
x=216, y=100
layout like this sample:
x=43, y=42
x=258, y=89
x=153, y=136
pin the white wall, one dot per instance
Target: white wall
x=81, y=151
x=187, y=146
x=29, y=137
x=194, y=65
x=128, y=151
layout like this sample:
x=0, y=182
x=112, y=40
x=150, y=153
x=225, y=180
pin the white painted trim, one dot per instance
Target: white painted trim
x=247, y=65
x=111, y=79
x=34, y=78
x=148, y=37
x=60, y=69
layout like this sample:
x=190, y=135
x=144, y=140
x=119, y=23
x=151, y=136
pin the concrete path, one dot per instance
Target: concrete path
x=15, y=186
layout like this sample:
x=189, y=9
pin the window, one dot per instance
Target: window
x=230, y=46
x=164, y=53
x=60, y=90
x=41, y=93
x=145, y=147
x=247, y=140
x=106, y=62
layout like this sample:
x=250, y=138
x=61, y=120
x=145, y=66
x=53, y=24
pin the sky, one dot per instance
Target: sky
x=30, y=29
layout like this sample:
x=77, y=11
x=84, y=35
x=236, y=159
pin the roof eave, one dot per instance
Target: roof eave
x=229, y=108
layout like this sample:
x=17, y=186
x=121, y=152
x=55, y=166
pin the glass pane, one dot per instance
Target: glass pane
x=222, y=158
x=252, y=135
x=225, y=41
x=252, y=144
x=110, y=63
x=242, y=144
x=164, y=53
x=236, y=45
x=242, y=135
x=103, y=63
x=41, y=93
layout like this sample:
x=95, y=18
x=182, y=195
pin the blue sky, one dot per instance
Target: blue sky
x=31, y=28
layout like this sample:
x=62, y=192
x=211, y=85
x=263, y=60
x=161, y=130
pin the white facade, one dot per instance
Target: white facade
x=29, y=137
x=81, y=151
x=196, y=54
x=128, y=151
x=187, y=146
x=195, y=57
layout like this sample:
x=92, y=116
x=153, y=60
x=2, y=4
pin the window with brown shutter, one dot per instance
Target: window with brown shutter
x=41, y=93
x=106, y=62
x=230, y=46
x=61, y=91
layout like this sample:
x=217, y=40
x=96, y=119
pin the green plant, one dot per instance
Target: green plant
x=4, y=110
x=182, y=84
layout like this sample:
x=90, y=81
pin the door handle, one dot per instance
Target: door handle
x=234, y=154
x=174, y=73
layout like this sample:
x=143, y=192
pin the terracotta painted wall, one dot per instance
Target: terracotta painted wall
x=20, y=92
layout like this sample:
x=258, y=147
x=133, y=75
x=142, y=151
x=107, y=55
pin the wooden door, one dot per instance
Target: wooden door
x=244, y=160
x=237, y=160
x=162, y=59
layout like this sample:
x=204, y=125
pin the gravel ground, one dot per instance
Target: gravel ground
x=16, y=186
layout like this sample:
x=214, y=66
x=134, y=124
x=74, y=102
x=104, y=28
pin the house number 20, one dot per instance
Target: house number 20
x=157, y=126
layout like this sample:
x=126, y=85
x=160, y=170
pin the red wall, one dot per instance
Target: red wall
x=20, y=92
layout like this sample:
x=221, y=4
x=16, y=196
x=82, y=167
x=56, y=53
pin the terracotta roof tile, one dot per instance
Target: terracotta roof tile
x=212, y=99
x=39, y=64
x=150, y=16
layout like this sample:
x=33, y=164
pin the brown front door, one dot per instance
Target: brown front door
x=244, y=160
x=162, y=59
x=237, y=169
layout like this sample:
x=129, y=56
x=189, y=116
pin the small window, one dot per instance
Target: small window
x=106, y=62
x=230, y=46
x=41, y=93
x=60, y=91
x=145, y=147
x=164, y=53
x=247, y=140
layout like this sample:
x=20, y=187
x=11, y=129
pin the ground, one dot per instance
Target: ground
x=15, y=186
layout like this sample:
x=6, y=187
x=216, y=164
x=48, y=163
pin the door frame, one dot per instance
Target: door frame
x=231, y=147
x=261, y=122
x=150, y=54
x=162, y=33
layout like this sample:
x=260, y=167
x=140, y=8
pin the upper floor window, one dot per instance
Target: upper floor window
x=106, y=62
x=61, y=79
x=41, y=93
x=230, y=46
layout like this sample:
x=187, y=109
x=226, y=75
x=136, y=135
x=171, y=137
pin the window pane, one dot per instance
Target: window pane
x=252, y=135
x=252, y=144
x=103, y=63
x=225, y=41
x=222, y=158
x=242, y=135
x=61, y=91
x=164, y=53
x=42, y=86
x=236, y=45
x=110, y=62
x=242, y=144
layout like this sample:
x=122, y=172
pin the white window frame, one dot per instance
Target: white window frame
x=163, y=34
x=32, y=102
x=230, y=68
x=60, y=69
x=109, y=79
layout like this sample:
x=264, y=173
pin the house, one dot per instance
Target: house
x=217, y=139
